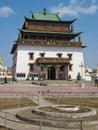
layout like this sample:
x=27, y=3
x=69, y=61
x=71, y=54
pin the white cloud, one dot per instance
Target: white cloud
x=94, y=1
x=90, y=10
x=73, y=1
x=6, y=11
x=75, y=8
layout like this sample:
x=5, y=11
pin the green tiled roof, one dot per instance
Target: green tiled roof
x=61, y=21
x=51, y=32
x=45, y=16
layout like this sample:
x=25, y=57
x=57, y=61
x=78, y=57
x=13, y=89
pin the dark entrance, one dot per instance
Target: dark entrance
x=51, y=73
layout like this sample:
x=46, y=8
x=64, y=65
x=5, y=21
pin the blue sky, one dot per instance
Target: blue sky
x=86, y=11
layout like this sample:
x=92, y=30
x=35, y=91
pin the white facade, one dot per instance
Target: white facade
x=21, y=59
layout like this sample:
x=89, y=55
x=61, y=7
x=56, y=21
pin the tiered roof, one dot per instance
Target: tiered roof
x=45, y=16
x=48, y=17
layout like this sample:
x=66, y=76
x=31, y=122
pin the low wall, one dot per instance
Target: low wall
x=92, y=112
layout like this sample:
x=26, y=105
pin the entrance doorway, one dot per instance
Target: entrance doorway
x=51, y=73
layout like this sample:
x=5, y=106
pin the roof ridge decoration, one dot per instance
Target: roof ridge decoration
x=45, y=16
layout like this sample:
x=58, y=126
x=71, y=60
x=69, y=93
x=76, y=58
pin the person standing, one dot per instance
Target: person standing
x=96, y=82
x=78, y=77
x=5, y=80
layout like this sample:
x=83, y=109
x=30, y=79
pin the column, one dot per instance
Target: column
x=58, y=70
x=66, y=71
x=48, y=74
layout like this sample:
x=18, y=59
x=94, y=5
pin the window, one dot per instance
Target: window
x=31, y=67
x=42, y=54
x=59, y=54
x=31, y=56
x=41, y=68
x=70, y=56
x=20, y=74
x=70, y=67
x=25, y=36
x=50, y=38
x=58, y=38
x=41, y=37
x=33, y=37
x=62, y=68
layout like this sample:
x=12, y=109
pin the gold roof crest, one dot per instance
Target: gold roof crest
x=1, y=62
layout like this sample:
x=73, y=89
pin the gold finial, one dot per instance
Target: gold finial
x=79, y=39
x=1, y=62
x=44, y=11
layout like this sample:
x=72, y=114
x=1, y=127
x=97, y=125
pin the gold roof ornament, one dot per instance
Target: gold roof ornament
x=79, y=39
x=1, y=62
x=72, y=27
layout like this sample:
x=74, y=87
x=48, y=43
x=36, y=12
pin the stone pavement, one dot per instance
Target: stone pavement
x=34, y=89
x=18, y=88
x=12, y=122
x=9, y=120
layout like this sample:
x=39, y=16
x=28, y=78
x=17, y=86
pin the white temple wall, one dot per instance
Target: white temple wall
x=50, y=51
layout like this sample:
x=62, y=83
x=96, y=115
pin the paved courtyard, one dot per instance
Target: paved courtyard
x=33, y=89
x=38, y=89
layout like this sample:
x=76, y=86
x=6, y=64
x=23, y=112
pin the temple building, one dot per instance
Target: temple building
x=47, y=48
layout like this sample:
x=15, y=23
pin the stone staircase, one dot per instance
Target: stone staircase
x=66, y=83
x=39, y=100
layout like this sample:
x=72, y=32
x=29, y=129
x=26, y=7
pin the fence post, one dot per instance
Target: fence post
x=5, y=123
x=0, y=106
x=58, y=99
x=38, y=99
x=81, y=125
x=40, y=127
x=18, y=102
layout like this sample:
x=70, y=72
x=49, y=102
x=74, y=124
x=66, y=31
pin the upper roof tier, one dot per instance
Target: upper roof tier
x=51, y=32
x=47, y=17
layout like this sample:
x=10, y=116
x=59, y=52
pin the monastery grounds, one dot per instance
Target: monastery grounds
x=58, y=91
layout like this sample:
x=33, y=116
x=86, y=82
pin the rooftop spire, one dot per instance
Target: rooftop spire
x=44, y=11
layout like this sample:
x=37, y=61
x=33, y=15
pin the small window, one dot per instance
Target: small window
x=70, y=67
x=31, y=56
x=58, y=38
x=20, y=74
x=50, y=38
x=70, y=56
x=33, y=37
x=41, y=37
x=59, y=54
x=26, y=37
x=31, y=67
x=62, y=68
x=42, y=54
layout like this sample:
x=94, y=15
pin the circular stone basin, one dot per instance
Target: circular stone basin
x=70, y=112
x=66, y=107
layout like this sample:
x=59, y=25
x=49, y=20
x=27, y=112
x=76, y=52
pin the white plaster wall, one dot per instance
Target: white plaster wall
x=50, y=51
x=22, y=60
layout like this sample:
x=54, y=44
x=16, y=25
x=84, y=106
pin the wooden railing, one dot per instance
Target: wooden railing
x=49, y=42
